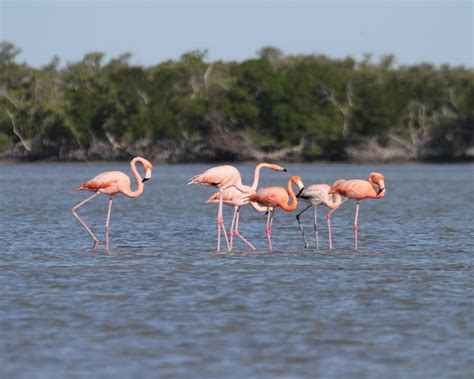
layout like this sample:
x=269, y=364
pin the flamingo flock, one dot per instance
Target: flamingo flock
x=232, y=192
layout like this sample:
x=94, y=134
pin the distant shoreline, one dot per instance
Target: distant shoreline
x=217, y=162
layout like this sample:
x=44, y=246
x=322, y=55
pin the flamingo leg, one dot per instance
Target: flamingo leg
x=73, y=210
x=306, y=244
x=316, y=226
x=231, y=231
x=107, y=225
x=328, y=218
x=220, y=224
x=269, y=229
x=356, y=227
x=237, y=233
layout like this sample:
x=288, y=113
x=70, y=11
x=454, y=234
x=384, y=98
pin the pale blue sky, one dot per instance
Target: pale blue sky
x=153, y=31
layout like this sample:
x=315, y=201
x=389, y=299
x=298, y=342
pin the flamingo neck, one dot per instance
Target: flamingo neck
x=256, y=176
x=128, y=192
x=376, y=194
x=243, y=188
x=294, y=200
x=258, y=207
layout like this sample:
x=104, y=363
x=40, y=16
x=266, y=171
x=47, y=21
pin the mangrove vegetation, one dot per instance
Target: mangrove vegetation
x=274, y=106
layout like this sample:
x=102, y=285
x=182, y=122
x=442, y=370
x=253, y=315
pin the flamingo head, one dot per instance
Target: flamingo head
x=297, y=180
x=275, y=167
x=377, y=179
x=148, y=167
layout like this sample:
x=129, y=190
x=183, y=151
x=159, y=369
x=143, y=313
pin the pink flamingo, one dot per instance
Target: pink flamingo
x=359, y=190
x=277, y=197
x=111, y=183
x=315, y=195
x=232, y=196
x=222, y=177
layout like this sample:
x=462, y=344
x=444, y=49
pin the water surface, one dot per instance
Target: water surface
x=163, y=303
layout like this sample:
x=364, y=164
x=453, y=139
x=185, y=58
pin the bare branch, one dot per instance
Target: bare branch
x=143, y=96
x=448, y=113
x=25, y=144
x=350, y=95
x=406, y=144
x=194, y=86
x=207, y=75
x=112, y=140
x=4, y=93
x=412, y=130
x=344, y=109
x=422, y=120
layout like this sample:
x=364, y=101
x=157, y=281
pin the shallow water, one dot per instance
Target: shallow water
x=163, y=303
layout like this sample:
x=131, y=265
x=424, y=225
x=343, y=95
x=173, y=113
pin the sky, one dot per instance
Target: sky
x=436, y=32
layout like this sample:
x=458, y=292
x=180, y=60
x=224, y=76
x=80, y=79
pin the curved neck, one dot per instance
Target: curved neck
x=376, y=194
x=241, y=187
x=333, y=201
x=256, y=175
x=294, y=200
x=258, y=208
x=128, y=192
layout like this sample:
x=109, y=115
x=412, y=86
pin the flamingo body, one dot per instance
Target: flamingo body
x=233, y=195
x=108, y=183
x=230, y=196
x=222, y=177
x=111, y=183
x=358, y=190
x=316, y=195
x=277, y=197
x=271, y=197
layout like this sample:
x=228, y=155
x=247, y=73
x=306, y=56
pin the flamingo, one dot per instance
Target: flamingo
x=277, y=197
x=222, y=177
x=232, y=196
x=359, y=190
x=315, y=195
x=111, y=183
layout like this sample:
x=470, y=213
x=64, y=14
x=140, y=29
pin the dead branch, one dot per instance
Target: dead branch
x=25, y=144
x=410, y=146
x=349, y=95
x=143, y=96
x=344, y=109
x=4, y=93
x=207, y=75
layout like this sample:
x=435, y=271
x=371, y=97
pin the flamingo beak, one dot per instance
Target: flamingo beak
x=147, y=175
x=300, y=185
x=284, y=170
x=381, y=187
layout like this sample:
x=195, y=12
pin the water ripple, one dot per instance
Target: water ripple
x=163, y=303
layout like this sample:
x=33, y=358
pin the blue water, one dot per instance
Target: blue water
x=163, y=303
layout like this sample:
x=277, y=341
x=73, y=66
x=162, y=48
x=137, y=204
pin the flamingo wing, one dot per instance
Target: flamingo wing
x=270, y=197
x=107, y=182
x=316, y=194
x=216, y=176
x=356, y=189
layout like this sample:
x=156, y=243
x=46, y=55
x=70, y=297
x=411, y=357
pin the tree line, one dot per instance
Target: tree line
x=274, y=106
